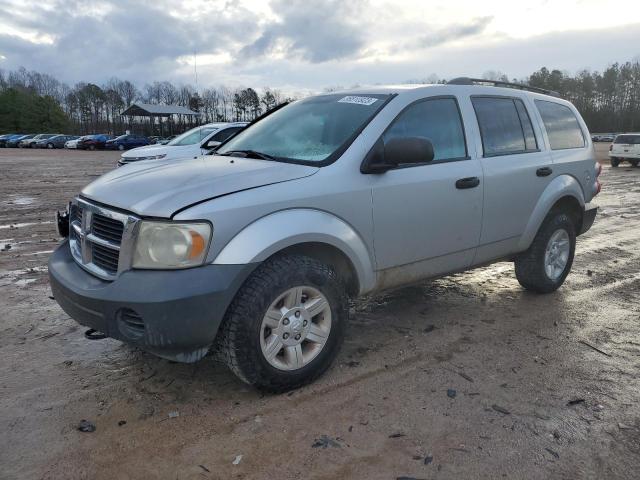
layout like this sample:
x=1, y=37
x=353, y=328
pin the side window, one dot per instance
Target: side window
x=561, y=124
x=505, y=126
x=226, y=133
x=439, y=121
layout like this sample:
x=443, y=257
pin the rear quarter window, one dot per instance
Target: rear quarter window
x=561, y=125
x=628, y=139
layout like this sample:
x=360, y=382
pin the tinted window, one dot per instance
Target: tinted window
x=437, y=120
x=527, y=128
x=628, y=139
x=561, y=124
x=505, y=126
x=226, y=133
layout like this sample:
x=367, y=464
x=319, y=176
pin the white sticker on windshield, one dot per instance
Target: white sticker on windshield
x=358, y=100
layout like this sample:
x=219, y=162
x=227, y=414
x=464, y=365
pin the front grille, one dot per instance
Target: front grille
x=97, y=236
x=105, y=258
x=107, y=228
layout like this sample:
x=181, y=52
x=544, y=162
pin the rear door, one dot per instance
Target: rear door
x=427, y=217
x=516, y=169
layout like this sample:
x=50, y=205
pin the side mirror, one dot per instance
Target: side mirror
x=397, y=151
x=211, y=144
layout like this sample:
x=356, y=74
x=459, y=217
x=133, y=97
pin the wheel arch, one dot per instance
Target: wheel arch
x=564, y=193
x=310, y=232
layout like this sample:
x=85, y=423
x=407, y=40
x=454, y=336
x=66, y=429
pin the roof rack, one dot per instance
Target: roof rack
x=498, y=83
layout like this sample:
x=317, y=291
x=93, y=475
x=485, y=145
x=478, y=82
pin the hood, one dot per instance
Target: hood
x=157, y=188
x=171, y=151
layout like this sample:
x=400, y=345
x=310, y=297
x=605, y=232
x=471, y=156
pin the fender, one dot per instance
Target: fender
x=279, y=230
x=561, y=186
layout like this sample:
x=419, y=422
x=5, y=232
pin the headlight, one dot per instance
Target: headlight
x=168, y=245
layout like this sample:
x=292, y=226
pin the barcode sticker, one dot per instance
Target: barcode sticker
x=358, y=100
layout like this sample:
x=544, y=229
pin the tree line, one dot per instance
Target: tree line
x=90, y=108
x=609, y=101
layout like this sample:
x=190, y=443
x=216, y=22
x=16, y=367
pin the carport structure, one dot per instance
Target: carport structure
x=153, y=111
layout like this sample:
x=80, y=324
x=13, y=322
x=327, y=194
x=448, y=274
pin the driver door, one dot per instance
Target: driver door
x=428, y=217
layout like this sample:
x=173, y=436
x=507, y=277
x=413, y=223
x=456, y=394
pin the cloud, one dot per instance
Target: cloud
x=453, y=33
x=312, y=30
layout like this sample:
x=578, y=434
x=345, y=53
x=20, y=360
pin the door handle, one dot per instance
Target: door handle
x=544, y=172
x=469, y=182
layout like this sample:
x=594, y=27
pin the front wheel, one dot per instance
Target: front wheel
x=49, y=146
x=546, y=264
x=634, y=163
x=120, y=147
x=92, y=147
x=286, y=324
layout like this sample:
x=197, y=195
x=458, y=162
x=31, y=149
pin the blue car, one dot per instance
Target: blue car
x=9, y=136
x=14, y=141
x=125, y=142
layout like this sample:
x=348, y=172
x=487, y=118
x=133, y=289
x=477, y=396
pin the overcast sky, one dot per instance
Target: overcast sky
x=299, y=45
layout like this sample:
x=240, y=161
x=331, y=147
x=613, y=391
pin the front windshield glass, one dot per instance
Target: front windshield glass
x=192, y=136
x=309, y=130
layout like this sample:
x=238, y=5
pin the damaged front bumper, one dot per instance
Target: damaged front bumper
x=173, y=314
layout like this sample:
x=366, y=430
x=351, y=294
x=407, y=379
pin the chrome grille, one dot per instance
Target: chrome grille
x=101, y=239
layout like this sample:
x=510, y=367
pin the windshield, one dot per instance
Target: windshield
x=309, y=130
x=192, y=136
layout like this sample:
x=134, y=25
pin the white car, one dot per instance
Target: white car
x=192, y=143
x=72, y=144
x=625, y=147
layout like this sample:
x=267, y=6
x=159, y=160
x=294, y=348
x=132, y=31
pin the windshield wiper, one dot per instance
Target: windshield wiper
x=251, y=153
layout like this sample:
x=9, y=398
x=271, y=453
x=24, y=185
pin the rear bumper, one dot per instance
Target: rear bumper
x=588, y=217
x=631, y=155
x=173, y=314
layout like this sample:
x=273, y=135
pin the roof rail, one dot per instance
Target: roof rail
x=498, y=83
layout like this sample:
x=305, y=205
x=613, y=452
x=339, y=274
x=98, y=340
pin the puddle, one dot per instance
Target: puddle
x=21, y=225
x=22, y=201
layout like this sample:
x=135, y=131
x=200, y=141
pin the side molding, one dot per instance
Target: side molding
x=279, y=230
x=561, y=186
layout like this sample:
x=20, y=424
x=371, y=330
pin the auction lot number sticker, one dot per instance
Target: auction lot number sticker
x=358, y=100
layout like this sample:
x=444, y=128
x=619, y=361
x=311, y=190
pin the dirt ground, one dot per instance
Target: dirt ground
x=467, y=376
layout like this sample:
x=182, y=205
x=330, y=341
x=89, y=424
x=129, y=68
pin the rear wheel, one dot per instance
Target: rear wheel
x=120, y=147
x=92, y=147
x=546, y=264
x=634, y=163
x=615, y=162
x=286, y=324
x=49, y=146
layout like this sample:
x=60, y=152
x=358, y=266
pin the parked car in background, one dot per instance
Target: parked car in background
x=31, y=142
x=126, y=142
x=14, y=141
x=625, y=147
x=255, y=251
x=165, y=140
x=93, y=142
x=195, y=142
x=73, y=144
x=56, y=141
x=8, y=137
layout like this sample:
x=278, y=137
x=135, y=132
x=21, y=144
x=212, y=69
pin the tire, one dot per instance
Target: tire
x=615, y=162
x=50, y=146
x=530, y=265
x=92, y=147
x=121, y=147
x=245, y=337
x=634, y=163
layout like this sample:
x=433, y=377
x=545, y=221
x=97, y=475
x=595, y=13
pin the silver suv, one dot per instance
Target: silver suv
x=253, y=251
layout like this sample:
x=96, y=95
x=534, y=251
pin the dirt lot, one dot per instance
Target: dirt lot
x=530, y=400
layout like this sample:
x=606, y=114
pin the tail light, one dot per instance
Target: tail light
x=598, y=184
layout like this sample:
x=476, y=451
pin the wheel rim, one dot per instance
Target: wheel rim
x=295, y=328
x=556, y=255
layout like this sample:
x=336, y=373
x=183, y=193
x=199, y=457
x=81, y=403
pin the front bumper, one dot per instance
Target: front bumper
x=173, y=314
x=588, y=217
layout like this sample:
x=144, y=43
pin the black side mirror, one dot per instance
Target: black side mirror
x=397, y=151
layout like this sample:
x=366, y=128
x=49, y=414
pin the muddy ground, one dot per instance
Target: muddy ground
x=531, y=400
